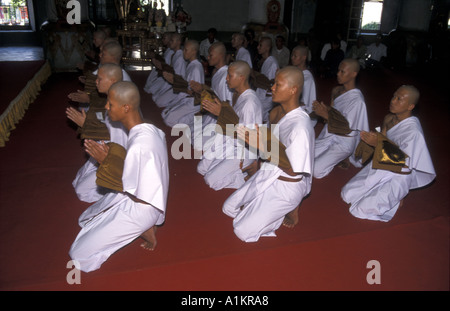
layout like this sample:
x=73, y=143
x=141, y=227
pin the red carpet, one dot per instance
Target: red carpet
x=14, y=77
x=197, y=249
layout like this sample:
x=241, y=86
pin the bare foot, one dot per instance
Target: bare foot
x=291, y=219
x=345, y=164
x=149, y=238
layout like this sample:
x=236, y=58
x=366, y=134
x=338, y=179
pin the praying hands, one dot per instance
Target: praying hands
x=79, y=97
x=369, y=138
x=320, y=109
x=98, y=151
x=78, y=117
x=214, y=107
x=196, y=86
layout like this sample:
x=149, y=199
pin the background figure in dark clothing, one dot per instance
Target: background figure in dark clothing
x=252, y=46
x=332, y=60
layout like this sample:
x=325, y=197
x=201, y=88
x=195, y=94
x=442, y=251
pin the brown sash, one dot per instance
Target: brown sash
x=93, y=128
x=385, y=156
x=109, y=173
x=337, y=123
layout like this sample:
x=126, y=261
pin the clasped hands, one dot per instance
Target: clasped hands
x=79, y=97
x=214, y=107
x=78, y=117
x=370, y=138
x=96, y=150
x=320, y=109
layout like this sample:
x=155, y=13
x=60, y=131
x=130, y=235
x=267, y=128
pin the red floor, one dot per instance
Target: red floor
x=197, y=250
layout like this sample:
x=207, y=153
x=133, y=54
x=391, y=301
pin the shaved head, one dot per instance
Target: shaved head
x=126, y=92
x=114, y=51
x=193, y=44
x=293, y=75
x=176, y=36
x=219, y=47
x=267, y=40
x=302, y=50
x=239, y=37
x=353, y=64
x=413, y=92
x=241, y=68
x=112, y=71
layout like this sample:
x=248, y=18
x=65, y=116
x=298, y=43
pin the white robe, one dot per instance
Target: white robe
x=154, y=82
x=269, y=69
x=204, y=47
x=283, y=56
x=377, y=52
x=204, y=134
x=331, y=148
x=179, y=67
x=116, y=220
x=266, y=199
x=181, y=107
x=309, y=91
x=244, y=55
x=220, y=164
x=376, y=194
x=84, y=183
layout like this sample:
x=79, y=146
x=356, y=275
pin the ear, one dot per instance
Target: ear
x=126, y=108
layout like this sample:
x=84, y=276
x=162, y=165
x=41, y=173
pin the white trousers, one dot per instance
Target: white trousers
x=85, y=185
x=108, y=225
x=264, y=214
x=375, y=194
x=328, y=152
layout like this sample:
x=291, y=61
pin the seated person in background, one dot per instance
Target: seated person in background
x=93, y=55
x=252, y=46
x=237, y=42
x=327, y=46
x=181, y=109
x=140, y=178
x=110, y=52
x=98, y=123
x=217, y=59
x=272, y=195
x=99, y=37
x=224, y=164
x=299, y=58
x=178, y=66
x=155, y=80
x=193, y=71
x=400, y=162
x=281, y=52
x=206, y=43
x=377, y=51
x=204, y=47
x=345, y=118
x=359, y=52
x=269, y=68
x=332, y=60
